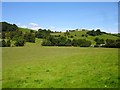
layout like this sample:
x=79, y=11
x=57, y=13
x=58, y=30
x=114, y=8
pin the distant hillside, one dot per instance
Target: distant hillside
x=25, y=29
x=79, y=34
x=12, y=35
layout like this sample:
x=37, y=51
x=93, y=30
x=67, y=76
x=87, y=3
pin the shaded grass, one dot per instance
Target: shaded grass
x=60, y=67
x=36, y=44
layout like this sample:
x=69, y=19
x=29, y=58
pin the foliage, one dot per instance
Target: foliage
x=112, y=43
x=69, y=38
x=46, y=43
x=8, y=44
x=42, y=33
x=82, y=35
x=63, y=41
x=29, y=37
x=95, y=33
x=99, y=41
x=20, y=42
x=81, y=42
x=3, y=43
x=66, y=33
x=3, y=35
x=8, y=27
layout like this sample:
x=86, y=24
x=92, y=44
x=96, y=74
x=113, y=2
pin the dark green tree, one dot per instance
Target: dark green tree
x=83, y=35
x=20, y=42
x=8, y=44
x=110, y=43
x=3, y=35
x=3, y=43
x=29, y=37
x=46, y=43
x=68, y=43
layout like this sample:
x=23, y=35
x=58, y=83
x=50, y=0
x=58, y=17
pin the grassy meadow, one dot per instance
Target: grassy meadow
x=59, y=67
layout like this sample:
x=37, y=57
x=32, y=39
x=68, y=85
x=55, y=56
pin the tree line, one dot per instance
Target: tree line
x=109, y=43
x=63, y=41
x=95, y=33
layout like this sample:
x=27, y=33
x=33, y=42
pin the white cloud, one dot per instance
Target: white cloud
x=52, y=27
x=33, y=26
x=23, y=26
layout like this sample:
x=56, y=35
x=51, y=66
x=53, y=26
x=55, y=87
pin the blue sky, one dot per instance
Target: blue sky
x=60, y=16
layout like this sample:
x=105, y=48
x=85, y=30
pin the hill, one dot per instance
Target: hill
x=80, y=34
x=25, y=29
x=18, y=36
x=75, y=34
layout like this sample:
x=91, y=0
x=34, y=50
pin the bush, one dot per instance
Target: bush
x=3, y=43
x=42, y=33
x=82, y=35
x=99, y=41
x=83, y=43
x=63, y=41
x=71, y=36
x=8, y=44
x=95, y=33
x=112, y=43
x=86, y=35
x=75, y=35
x=46, y=43
x=29, y=37
x=19, y=42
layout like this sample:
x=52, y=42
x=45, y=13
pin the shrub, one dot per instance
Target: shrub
x=8, y=44
x=3, y=43
x=19, y=42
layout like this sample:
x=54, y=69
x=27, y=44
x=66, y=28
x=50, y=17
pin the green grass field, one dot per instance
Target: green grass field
x=59, y=67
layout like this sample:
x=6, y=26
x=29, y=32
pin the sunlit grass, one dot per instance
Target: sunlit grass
x=60, y=67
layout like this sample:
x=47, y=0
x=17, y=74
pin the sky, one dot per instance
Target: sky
x=61, y=16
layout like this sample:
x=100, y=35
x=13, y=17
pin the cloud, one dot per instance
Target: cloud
x=33, y=26
x=23, y=26
x=52, y=27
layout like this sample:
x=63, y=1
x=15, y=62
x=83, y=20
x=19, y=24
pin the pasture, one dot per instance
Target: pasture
x=59, y=67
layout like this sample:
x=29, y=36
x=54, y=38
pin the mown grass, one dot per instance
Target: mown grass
x=60, y=67
x=36, y=44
